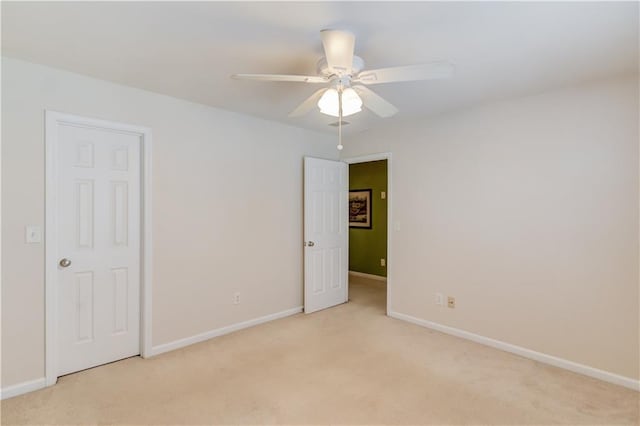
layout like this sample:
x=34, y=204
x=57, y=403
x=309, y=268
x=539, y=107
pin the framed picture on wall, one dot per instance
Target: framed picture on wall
x=360, y=208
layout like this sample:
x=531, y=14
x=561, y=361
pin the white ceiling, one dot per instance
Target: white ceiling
x=189, y=50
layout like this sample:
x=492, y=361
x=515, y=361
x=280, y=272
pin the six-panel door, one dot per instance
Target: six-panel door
x=326, y=233
x=98, y=232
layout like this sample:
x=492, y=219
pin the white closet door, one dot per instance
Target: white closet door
x=98, y=229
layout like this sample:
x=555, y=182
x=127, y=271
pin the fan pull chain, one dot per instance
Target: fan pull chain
x=340, y=118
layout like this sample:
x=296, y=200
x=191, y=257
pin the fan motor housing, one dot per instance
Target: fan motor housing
x=324, y=69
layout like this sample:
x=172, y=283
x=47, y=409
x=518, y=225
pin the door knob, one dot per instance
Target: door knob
x=65, y=262
x=311, y=244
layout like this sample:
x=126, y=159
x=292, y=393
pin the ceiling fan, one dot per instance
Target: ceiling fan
x=347, y=80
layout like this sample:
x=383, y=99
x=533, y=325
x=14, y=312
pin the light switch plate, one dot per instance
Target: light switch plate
x=383, y=195
x=32, y=234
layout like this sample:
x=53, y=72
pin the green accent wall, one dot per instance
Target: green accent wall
x=368, y=246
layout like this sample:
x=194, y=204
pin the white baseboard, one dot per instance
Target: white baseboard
x=370, y=276
x=181, y=343
x=24, y=387
x=606, y=376
x=32, y=385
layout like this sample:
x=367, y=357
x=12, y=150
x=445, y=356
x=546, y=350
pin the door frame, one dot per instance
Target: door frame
x=53, y=119
x=377, y=157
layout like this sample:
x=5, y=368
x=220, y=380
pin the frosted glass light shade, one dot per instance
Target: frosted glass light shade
x=351, y=102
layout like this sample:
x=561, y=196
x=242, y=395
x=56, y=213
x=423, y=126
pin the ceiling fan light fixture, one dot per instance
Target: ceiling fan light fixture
x=351, y=102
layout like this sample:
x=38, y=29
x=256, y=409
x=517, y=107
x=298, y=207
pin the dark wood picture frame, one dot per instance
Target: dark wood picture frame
x=360, y=211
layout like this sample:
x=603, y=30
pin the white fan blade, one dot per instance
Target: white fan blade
x=375, y=102
x=308, y=104
x=338, y=49
x=430, y=71
x=281, y=77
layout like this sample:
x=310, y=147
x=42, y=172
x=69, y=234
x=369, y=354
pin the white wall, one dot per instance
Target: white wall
x=526, y=211
x=227, y=208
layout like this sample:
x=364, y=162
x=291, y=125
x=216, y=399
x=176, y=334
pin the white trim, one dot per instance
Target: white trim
x=52, y=120
x=606, y=376
x=51, y=313
x=181, y=343
x=146, y=264
x=24, y=387
x=368, y=276
x=367, y=158
x=377, y=157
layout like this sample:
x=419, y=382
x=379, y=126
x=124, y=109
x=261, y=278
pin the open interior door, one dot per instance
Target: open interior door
x=326, y=237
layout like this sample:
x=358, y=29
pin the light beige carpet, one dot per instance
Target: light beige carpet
x=346, y=365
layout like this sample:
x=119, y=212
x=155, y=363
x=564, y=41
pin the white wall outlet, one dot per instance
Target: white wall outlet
x=383, y=195
x=32, y=234
x=236, y=298
x=383, y=262
x=439, y=299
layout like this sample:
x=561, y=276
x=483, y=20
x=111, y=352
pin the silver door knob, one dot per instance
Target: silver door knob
x=311, y=244
x=65, y=262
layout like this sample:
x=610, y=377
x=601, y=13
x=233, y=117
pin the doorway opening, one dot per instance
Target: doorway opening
x=369, y=230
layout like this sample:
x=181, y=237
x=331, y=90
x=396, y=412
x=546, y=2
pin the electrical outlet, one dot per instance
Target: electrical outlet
x=236, y=298
x=451, y=302
x=383, y=262
x=439, y=299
